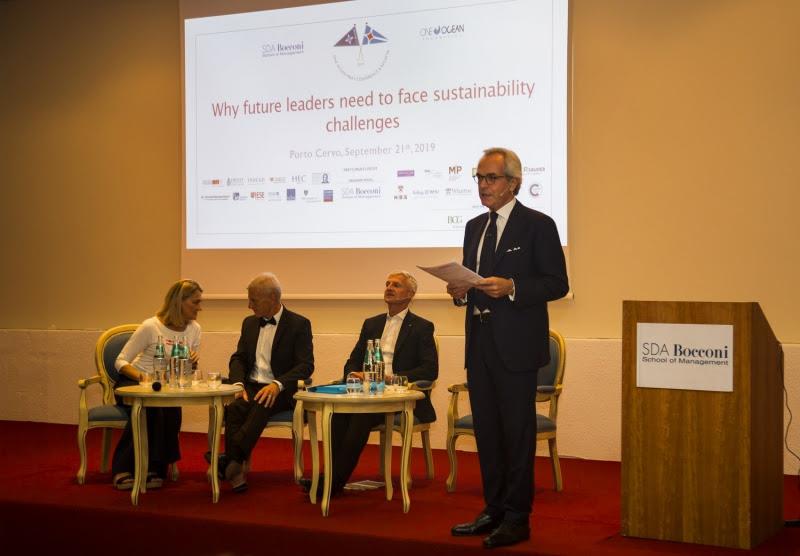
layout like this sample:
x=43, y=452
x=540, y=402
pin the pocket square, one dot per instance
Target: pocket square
x=511, y=249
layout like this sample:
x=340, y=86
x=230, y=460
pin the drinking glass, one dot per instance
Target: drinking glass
x=214, y=380
x=353, y=385
x=400, y=382
x=146, y=378
x=197, y=378
x=184, y=371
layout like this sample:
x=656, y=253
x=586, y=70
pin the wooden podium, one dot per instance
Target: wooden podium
x=701, y=466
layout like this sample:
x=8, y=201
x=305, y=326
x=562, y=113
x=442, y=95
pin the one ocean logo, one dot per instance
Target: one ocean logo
x=441, y=31
x=361, y=57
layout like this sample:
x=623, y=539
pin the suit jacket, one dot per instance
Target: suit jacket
x=415, y=355
x=530, y=253
x=292, y=351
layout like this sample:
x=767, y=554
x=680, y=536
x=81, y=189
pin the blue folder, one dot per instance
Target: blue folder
x=329, y=389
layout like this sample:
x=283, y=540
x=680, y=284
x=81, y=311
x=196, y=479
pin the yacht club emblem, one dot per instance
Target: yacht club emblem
x=361, y=57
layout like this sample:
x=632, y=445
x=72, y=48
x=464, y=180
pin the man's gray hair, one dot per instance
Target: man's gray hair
x=410, y=280
x=512, y=166
x=266, y=283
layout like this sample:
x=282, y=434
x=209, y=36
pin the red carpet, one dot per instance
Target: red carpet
x=43, y=508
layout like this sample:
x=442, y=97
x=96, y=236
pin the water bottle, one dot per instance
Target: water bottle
x=184, y=365
x=174, y=357
x=368, y=365
x=160, y=362
x=378, y=367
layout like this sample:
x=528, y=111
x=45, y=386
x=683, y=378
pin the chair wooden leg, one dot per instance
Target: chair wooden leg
x=105, y=450
x=82, y=451
x=409, y=480
x=556, y=465
x=174, y=473
x=426, y=445
x=298, y=419
x=297, y=451
x=382, y=445
x=451, y=455
x=210, y=431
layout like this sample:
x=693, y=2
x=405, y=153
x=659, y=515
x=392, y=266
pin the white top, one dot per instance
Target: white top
x=389, y=337
x=263, y=370
x=141, y=346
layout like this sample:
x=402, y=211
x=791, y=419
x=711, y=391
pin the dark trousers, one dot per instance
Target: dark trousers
x=349, y=435
x=504, y=418
x=245, y=421
x=163, y=448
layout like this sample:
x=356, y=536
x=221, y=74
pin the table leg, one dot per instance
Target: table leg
x=388, y=423
x=297, y=438
x=313, y=444
x=136, y=427
x=214, y=429
x=407, y=421
x=327, y=415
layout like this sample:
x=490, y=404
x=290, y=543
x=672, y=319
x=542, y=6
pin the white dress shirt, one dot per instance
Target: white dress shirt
x=262, y=373
x=389, y=337
x=502, y=219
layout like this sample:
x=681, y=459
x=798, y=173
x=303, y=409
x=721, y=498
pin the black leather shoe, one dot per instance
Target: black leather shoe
x=483, y=524
x=507, y=534
x=305, y=484
x=222, y=463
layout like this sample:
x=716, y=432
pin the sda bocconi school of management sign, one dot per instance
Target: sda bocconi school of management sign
x=685, y=356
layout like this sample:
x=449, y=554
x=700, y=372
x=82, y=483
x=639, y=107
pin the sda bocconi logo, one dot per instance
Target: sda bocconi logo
x=653, y=352
x=361, y=58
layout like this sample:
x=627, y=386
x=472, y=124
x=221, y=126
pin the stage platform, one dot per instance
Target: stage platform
x=42, y=508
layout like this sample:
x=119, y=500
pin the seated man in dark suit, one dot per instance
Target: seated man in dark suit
x=408, y=349
x=275, y=351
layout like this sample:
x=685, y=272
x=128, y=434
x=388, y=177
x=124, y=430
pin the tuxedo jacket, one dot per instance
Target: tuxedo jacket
x=530, y=253
x=415, y=355
x=292, y=351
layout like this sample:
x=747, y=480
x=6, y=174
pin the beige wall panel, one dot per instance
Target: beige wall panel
x=589, y=412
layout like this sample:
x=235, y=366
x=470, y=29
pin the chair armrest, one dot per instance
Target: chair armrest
x=84, y=383
x=452, y=407
x=545, y=389
x=458, y=388
x=422, y=385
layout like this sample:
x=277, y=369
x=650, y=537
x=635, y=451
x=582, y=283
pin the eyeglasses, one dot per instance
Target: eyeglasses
x=488, y=178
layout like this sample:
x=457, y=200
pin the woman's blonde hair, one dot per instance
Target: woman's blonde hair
x=170, y=312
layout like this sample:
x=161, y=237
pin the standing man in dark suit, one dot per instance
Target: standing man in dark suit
x=275, y=351
x=408, y=349
x=518, y=252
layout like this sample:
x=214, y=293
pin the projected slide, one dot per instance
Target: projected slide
x=358, y=124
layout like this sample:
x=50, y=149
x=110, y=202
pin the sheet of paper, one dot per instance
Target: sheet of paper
x=364, y=485
x=453, y=273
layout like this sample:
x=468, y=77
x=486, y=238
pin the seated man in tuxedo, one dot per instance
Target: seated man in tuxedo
x=408, y=349
x=275, y=351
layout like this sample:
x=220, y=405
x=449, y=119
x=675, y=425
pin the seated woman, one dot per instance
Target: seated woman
x=176, y=320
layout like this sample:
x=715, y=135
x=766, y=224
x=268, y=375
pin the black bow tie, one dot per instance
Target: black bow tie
x=265, y=321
